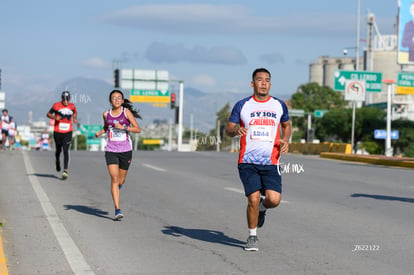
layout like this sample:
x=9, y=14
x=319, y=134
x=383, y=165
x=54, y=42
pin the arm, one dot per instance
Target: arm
x=75, y=117
x=105, y=127
x=286, y=132
x=133, y=127
x=51, y=115
x=232, y=130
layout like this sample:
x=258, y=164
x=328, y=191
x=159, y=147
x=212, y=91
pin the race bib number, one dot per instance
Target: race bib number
x=262, y=133
x=64, y=126
x=117, y=135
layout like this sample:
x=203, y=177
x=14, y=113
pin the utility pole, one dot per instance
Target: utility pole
x=356, y=68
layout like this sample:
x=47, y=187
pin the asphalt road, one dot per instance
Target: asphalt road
x=185, y=214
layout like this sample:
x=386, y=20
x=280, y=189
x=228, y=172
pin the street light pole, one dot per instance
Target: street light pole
x=356, y=68
x=388, y=149
x=358, y=34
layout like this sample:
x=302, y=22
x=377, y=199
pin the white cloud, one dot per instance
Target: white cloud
x=95, y=63
x=203, y=80
x=159, y=52
x=272, y=58
x=204, y=19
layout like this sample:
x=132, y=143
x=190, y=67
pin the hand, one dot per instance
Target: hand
x=241, y=131
x=57, y=117
x=284, y=148
x=119, y=126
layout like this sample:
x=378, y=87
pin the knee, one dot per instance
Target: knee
x=273, y=200
x=115, y=179
x=273, y=203
x=254, y=200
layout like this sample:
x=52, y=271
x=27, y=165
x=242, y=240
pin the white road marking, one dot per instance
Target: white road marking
x=73, y=255
x=237, y=190
x=154, y=167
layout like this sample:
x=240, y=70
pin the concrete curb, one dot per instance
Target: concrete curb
x=3, y=264
x=371, y=159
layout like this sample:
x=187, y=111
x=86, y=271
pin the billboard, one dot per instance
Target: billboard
x=406, y=32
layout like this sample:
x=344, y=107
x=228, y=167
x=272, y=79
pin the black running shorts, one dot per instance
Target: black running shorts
x=123, y=160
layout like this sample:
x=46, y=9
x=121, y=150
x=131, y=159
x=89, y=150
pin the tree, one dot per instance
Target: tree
x=311, y=97
x=336, y=125
x=209, y=142
x=405, y=143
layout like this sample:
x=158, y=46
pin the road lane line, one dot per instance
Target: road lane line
x=3, y=263
x=73, y=255
x=237, y=190
x=154, y=167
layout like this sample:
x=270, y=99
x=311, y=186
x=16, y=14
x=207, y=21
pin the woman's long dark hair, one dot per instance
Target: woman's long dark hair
x=127, y=104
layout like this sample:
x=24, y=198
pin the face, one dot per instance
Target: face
x=116, y=99
x=65, y=101
x=261, y=84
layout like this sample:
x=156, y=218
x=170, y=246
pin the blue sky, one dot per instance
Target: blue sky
x=211, y=45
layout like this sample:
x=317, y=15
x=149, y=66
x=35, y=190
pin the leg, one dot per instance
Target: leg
x=122, y=176
x=253, y=201
x=67, y=140
x=124, y=162
x=66, y=148
x=272, y=184
x=272, y=199
x=58, y=145
x=114, y=172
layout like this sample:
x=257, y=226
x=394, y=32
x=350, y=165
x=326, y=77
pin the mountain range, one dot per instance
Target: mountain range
x=91, y=97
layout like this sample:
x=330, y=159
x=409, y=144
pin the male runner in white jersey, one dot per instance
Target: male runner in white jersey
x=259, y=117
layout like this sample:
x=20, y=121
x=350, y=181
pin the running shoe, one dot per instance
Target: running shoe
x=262, y=215
x=252, y=244
x=118, y=214
x=57, y=165
x=65, y=175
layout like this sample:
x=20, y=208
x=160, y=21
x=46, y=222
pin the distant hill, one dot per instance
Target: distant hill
x=91, y=99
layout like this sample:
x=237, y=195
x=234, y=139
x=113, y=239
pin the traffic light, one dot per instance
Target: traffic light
x=172, y=100
x=116, y=78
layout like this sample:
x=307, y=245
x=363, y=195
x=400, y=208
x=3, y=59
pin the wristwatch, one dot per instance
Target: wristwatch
x=125, y=127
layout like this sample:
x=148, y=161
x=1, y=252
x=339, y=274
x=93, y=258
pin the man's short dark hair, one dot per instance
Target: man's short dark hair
x=261, y=70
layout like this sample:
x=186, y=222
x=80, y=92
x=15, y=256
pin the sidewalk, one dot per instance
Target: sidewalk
x=372, y=159
x=3, y=264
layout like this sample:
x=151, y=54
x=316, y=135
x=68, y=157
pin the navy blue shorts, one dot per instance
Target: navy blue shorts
x=259, y=177
x=123, y=160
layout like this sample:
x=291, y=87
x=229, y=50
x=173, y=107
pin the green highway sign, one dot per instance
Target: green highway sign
x=405, y=83
x=95, y=141
x=296, y=112
x=149, y=93
x=373, y=80
x=90, y=130
x=319, y=113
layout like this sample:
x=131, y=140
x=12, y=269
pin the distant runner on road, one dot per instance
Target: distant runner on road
x=64, y=114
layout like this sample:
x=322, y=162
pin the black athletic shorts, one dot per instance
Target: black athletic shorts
x=259, y=177
x=123, y=160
